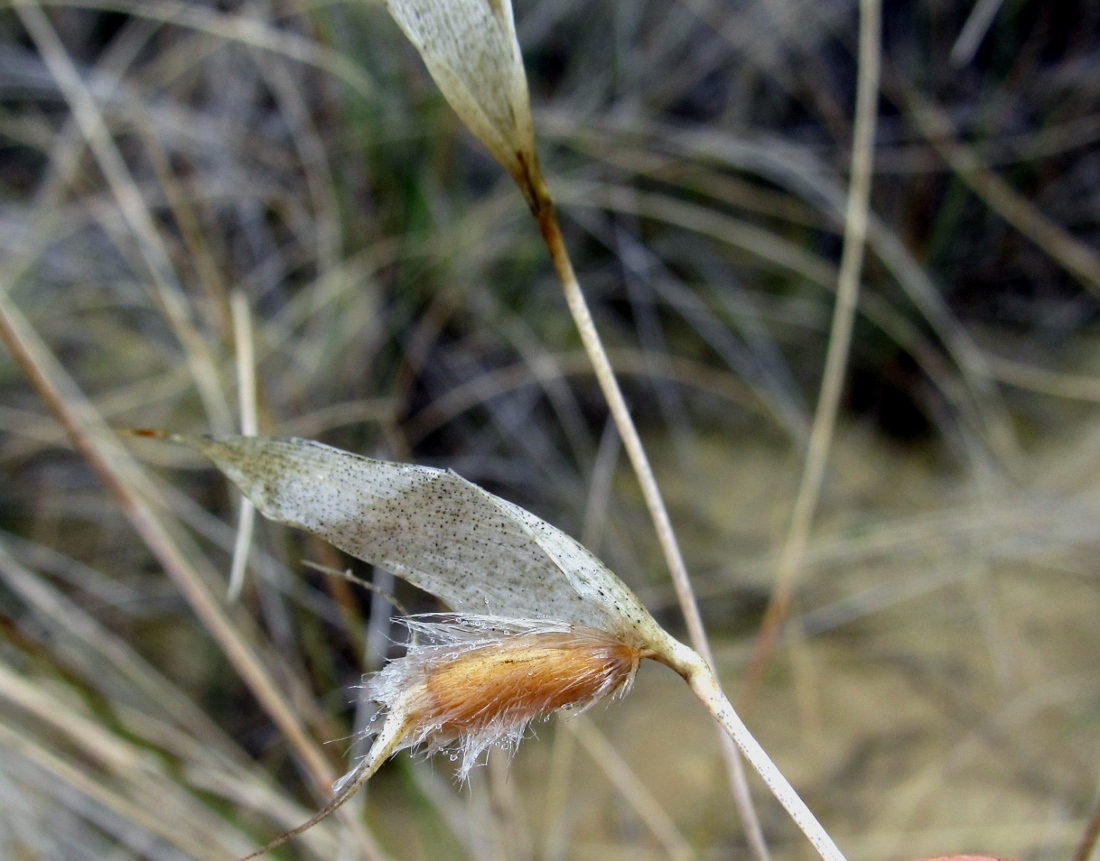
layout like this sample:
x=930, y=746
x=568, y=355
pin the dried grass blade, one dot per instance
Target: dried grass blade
x=246, y=395
x=131, y=812
x=133, y=208
x=1077, y=258
x=99, y=447
x=840, y=338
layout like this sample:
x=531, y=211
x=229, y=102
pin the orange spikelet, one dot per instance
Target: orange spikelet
x=482, y=679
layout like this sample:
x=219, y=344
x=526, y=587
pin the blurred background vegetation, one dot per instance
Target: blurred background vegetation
x=936, y=689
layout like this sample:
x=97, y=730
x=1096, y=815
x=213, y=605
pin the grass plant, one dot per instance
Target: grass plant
x=208, y=208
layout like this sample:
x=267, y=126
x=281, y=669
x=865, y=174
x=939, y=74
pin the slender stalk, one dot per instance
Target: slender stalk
x=609, y=385
x=542, y=206
x=246, y=396
x=840, y=339
x=706, y=687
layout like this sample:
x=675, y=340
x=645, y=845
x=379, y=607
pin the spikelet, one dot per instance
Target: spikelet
x=539, y=623
x=480, y=680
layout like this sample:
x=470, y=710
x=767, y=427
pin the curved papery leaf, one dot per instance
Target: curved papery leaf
x=475, y=551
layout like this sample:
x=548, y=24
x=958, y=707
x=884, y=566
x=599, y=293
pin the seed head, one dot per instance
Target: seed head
x=481, y=680
x=539, y=623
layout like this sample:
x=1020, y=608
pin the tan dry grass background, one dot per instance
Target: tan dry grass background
x=936, y=690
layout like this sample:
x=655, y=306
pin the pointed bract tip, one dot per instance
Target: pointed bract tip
x=146, y=433
x=471, y=51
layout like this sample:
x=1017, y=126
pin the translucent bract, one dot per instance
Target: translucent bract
x=471, y=51
x=478, y=553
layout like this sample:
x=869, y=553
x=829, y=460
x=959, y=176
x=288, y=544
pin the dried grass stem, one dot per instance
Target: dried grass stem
x=546, y=216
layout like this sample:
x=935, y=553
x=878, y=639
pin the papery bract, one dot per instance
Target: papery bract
x=471, y=51
x=477, y=552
